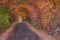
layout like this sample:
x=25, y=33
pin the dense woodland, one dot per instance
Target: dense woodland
x=42, y=14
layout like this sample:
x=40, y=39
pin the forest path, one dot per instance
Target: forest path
x=22, y=32
x=25, y=30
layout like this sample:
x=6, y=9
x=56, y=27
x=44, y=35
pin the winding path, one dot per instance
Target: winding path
x=22, y=32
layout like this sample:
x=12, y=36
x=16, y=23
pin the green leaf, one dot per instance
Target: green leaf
x=4, y=17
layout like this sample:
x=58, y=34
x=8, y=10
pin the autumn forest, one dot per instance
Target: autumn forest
x=40, y=14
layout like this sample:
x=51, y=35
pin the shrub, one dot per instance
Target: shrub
x=4, y=18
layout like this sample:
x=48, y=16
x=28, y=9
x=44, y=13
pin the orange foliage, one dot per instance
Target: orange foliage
x=40, y=5
x=45, y=19
x=4, y=1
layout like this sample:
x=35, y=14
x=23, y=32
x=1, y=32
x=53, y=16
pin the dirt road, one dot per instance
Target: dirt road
x=24, y=31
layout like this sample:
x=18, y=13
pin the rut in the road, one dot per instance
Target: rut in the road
x=22, y=32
